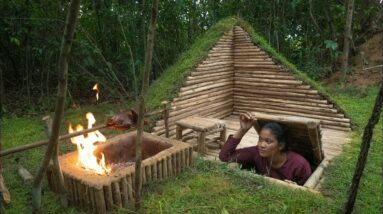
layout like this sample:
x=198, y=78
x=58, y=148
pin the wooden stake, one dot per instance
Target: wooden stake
x=145, y=83
x=59, y=109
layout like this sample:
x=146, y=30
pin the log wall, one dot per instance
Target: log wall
x=262, y=85
x=238, y=76
x=208, y=90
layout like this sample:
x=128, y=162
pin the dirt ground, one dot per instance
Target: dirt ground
x=367, y=64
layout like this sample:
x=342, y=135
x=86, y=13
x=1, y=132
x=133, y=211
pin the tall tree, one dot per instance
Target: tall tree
x=141, y=100
x=66, y=45
x=367, y=135
x=347, y=38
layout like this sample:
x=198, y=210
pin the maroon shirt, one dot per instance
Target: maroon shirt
x=296, y=168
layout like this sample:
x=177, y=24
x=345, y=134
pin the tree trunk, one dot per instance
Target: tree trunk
x=347, y=39
x=367, y=135
x=141, y=100
x=66, y=45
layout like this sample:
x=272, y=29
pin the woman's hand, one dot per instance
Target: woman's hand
x=246, y=121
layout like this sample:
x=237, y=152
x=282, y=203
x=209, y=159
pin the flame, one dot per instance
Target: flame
x=86, y=146
x=97, y=89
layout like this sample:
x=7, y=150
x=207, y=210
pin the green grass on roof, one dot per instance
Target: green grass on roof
x=165, y=87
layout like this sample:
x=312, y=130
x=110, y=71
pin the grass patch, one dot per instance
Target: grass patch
x=210, y=187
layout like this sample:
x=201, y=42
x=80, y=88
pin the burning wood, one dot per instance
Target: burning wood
x=86, y=146
x=97, y=90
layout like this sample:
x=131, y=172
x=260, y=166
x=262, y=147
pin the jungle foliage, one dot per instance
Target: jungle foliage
x=108, y=47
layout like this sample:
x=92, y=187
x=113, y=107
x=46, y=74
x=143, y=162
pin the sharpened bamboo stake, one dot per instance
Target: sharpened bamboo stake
x=124, y=192
x=108, y=197
x=116, y=194
x=100, y=202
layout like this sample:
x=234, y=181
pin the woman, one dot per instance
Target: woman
x=270, y=157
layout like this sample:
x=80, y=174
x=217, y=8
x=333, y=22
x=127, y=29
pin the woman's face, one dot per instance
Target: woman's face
x=267, y=144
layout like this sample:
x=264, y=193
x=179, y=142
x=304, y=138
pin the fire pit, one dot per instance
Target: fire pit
x=97, y=193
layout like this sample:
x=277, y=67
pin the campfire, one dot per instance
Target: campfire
x=97, y=190
x=86, y=146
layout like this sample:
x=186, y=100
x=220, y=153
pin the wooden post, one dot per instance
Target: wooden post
x=179, y=132
x=165, y=106
x=201, y=143
x=141, y=109
x=66, y=45
x=61, y=190
x=364, y=147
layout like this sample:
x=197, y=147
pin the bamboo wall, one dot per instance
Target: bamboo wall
x=238, y=76
x=208, y=90
x=261, y=85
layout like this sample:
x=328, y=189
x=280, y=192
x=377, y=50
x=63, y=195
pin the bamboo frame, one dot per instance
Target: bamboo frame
x=99, y=194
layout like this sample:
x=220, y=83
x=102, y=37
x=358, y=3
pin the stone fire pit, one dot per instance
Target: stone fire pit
x=162, y=158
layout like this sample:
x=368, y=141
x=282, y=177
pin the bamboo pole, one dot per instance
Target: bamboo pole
x=45, y=142
x=116, y=194
x=59, y=109
x=108, y=197
x=124, y=192
x=100, y=202
x=145, y=83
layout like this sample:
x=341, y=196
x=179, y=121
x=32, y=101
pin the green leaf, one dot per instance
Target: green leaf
x=15, y=41
x=330, y=44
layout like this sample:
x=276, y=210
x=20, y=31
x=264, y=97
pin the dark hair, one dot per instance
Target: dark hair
x=279, y=132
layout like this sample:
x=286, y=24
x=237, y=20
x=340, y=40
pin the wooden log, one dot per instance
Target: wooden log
x=292, y=99
x=166, y=106
x=218, y=76
x=312, y=129
x=208, y=96
x=226, y=82
x=143, y=176
x=164, y=168
x=204, y=93
x=93, y=203
x=201, y=143
x=117, y=201
x=198, y=87
x=154, y=171
x=299, y=92
x=187, y=108
x=296, y=112
x=170, y=166
x=276, y=81
x=183, y=163
x=88, y=199
x=324, y=120
x=203, y=75
x=159, y=170
x=24, y=174
x=292, y=107
x=100, y=201
x=124, y=192
x=108, y=197
x=178, y=158
x=245, y=92
x=4, y=192
x=251, y=72
x=80, y=192
x=130, y=186
x=212, y=64
x=72, y=190
x=317, y=174
x=149, y=176
x=286, y=101
x=214, y=69
x=246, y=77
x=176, y=109
x=174, y=164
